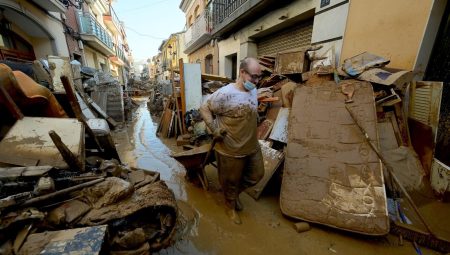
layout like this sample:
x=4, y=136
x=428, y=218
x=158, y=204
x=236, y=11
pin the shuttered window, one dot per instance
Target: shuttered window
x=288, y=38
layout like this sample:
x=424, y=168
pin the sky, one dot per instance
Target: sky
x=148, y=22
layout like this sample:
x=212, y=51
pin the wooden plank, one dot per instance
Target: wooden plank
x=211, y=77
x=182, y=93
x=264, y=129
x=113, y=124
x=291, y=62
x=68, y=87
x=272, y=160
x=11, y=173
x=9, y=102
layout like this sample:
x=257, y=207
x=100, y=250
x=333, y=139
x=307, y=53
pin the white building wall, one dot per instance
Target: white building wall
x=243, y=39
x=227, y=47
x=329, y=27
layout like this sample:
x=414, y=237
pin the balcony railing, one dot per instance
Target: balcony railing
x=223, y=9
x=121, y=54
x=89, y=25
x=112, y=20
x=199, y=31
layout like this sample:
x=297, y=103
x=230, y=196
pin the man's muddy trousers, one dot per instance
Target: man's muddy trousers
x=239, y=173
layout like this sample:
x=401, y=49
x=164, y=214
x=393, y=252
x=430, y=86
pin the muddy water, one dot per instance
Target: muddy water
x=205, y=227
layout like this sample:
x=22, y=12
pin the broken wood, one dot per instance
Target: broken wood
x=67, y=155
x=9, y=102
x=182, y=93
x=12, y=173
x=112, y=123
x=211, y=77
x=58, y=193
x=77, y=109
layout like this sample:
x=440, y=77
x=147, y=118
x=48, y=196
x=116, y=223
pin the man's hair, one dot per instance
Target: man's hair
x=246, y=62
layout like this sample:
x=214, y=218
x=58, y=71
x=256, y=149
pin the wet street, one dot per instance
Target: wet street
x=204, y=227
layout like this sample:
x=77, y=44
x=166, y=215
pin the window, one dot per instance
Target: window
x=196, y=14
x=209, y=64
x=190, y=21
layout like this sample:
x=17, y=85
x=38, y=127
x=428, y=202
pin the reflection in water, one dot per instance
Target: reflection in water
x=139, y=146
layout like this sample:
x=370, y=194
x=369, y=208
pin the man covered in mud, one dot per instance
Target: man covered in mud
x=237, y=149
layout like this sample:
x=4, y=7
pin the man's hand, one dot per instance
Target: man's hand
x=219, y=133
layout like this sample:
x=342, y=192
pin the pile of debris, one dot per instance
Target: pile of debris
x=355, y=141
x=63, y=187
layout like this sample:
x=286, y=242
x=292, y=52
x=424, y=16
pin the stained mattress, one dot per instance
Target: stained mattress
x=331, y=175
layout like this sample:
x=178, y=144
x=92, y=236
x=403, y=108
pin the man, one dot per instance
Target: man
x=237, y=149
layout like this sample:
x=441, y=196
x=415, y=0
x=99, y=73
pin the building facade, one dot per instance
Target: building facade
x=228, y=31
x=31, y=30
x=198, y=42
x=103, y=37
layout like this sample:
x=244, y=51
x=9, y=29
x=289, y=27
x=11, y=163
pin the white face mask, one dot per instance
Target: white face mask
x=249, y=86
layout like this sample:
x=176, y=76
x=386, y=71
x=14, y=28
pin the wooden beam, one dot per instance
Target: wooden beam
x=183, y=99
x=9, y=102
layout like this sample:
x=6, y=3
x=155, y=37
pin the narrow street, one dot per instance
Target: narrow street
x=224, y=127
x=205, y=229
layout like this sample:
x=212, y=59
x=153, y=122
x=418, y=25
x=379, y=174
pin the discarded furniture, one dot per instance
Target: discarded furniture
x=28, y=143
x=331, y=175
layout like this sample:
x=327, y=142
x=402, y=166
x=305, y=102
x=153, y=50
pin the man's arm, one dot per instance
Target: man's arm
x=207, y=116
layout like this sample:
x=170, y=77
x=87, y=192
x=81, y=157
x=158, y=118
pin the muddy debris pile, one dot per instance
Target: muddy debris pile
x=63, y=187
x=348, y=144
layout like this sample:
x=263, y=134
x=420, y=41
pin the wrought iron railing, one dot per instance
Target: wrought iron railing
x=222, y=9
x=89, y=25
x=114, y=16
x=121, y=54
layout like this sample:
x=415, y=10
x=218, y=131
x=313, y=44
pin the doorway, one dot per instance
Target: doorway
x=231, y=66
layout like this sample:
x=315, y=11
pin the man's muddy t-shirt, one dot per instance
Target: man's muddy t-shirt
x=236, y=112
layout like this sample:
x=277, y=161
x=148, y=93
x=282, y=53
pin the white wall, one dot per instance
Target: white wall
x=295, y=12
x=330, y=25
x=429, y=38
x=227, y=47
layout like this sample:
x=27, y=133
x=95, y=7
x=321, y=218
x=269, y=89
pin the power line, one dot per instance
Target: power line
x=146, y=35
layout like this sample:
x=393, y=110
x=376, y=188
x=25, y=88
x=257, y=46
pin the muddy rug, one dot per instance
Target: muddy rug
x=331, y=175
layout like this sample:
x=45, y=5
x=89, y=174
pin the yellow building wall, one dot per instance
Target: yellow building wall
x=191, y=11
x=391, y=29
x=199, y=57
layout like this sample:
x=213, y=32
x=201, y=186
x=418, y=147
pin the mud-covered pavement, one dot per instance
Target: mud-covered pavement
x=205, y=229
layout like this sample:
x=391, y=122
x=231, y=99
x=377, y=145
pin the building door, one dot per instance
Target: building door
x=286, y=39
x=209, y=64
x=231, y=66
x=438, y=70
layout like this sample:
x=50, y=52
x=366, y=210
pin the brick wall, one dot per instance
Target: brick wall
x=71, y=28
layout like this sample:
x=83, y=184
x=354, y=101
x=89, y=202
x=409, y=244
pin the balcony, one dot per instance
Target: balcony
x=230, y=15
x=52, y=5
x=199, y=33
x=120, y=58
x=112, y=21
x=94, y=34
